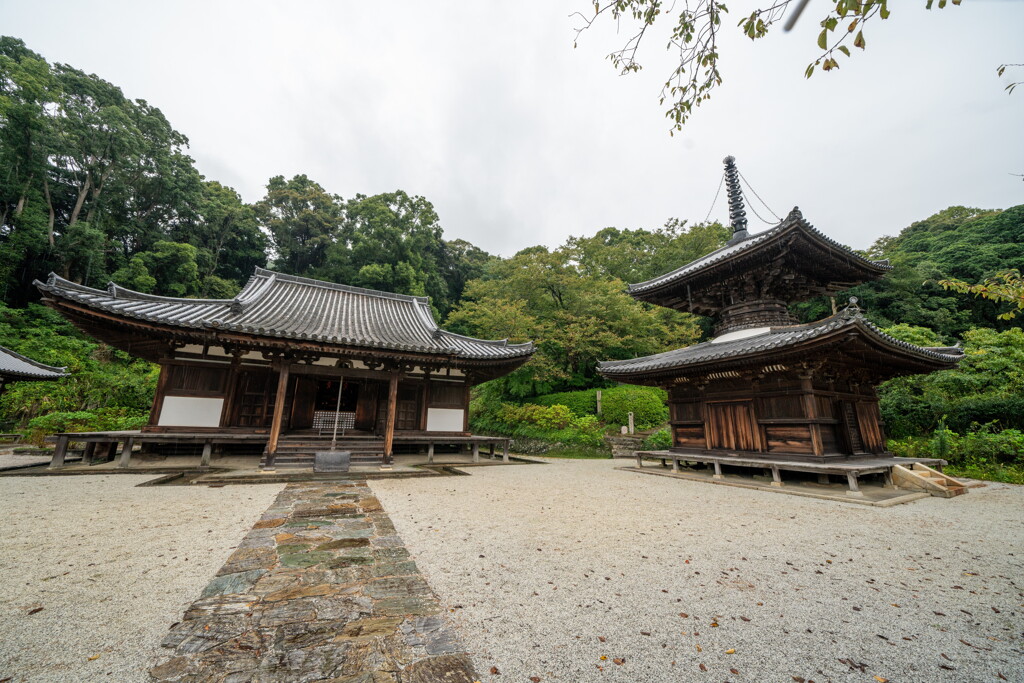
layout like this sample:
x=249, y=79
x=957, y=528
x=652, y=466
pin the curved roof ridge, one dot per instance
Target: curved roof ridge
x=58, y=370
x=793, y=221
x=284, y=277
x=490, y=342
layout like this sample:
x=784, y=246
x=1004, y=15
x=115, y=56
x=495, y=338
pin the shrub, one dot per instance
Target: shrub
x=659, y=440
x=580, y=402
x=103, y=420
x=1008, y=411
x=646, y=403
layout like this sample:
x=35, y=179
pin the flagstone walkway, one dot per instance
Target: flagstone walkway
x=321, y=589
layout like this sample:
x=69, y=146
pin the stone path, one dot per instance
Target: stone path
x=321, y=589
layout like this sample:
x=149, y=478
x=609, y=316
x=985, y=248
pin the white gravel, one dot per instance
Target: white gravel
x=112, y=567
x=9, y=459
x=549, y=568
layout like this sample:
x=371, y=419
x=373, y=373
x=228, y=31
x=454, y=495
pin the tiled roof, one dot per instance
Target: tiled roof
x=775, y=339
x=287, y=306
x=16, y=367
x=794, y=221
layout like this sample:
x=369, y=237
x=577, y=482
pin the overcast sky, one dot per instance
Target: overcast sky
x=518, y=139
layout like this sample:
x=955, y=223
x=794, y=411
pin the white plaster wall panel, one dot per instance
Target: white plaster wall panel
x=190, y=411
x=445, y=419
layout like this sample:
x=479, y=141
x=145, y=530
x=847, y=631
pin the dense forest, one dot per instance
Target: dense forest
x=97, y=187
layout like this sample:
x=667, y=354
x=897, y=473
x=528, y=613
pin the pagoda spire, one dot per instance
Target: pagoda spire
x=737, y=215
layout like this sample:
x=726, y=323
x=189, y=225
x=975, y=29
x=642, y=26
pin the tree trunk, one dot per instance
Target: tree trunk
x=81, y=200
x=49, y=205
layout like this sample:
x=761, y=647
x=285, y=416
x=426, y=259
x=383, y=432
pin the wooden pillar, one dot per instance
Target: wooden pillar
x=59, y=453
x=718, y=471
x=675, y=464
x=111, y=451
x=639, y=460
x=389, y=429
x=776, y=476
x=126, y=452
x=158, y=395
x=811, y=411
x=430, y=452
x=504, y=455
x=207, y=450
x=476, y=452
x=491, y=453
x=87, y=454
x=275, y=423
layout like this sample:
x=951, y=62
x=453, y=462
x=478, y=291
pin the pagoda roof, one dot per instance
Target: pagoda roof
x=289, y=307
x=835, y=265
x=776, y=343
x=15, y=367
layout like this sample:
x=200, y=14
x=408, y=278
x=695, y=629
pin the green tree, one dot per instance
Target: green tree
x=576, y=319
x=392, y=242
x=302, y=220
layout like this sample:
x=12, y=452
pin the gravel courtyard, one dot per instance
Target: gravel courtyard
x=573, y=571
x=94, y=571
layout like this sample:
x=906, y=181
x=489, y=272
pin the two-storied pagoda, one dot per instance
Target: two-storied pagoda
x=291, y=355
x=766, y=385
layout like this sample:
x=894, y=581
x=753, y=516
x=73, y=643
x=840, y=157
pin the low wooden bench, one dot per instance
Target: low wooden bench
x=852, y=469
x=13, y=438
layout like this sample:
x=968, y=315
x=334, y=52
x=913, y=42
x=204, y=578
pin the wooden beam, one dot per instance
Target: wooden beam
x=275, y=424
x=389, y=429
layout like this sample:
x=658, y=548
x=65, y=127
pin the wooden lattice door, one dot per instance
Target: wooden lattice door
x=254, y=399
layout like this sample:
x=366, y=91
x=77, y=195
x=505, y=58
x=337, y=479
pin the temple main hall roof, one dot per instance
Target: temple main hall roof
x=774, y=345
x=283, y=306
x=15, y=367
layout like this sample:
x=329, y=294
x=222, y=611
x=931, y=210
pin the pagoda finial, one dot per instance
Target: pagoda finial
x=737, y=216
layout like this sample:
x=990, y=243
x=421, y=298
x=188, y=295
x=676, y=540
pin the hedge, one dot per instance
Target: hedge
x=646, y=403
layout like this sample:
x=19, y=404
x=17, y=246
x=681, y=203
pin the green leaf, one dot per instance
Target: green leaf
x=823, y=39
x=845, y=50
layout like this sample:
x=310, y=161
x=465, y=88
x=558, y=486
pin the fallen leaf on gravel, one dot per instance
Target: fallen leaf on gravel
x=35, y=609
x=730, y=651
x=645, y=633
x=602, y=638
x=714, y=624
x=93, y=658
x=745, y=618
x=881, y=680
x=945, y=656
x=1001, y=676
x=602, y=658
x=619, y=660
x=940, y=614
x=494, y=671
x=702, y=667
x=947, y=667
x=734, y=672
x=801, y=679
x=700, y=649
x=683, y=615
x=535, y=679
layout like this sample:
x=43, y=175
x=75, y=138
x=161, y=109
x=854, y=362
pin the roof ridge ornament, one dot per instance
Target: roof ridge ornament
x=795, y=215
x=737, y=214
x=852, y=310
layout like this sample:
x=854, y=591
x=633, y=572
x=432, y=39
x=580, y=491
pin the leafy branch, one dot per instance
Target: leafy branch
x=1005, y=287
x=695, y=34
